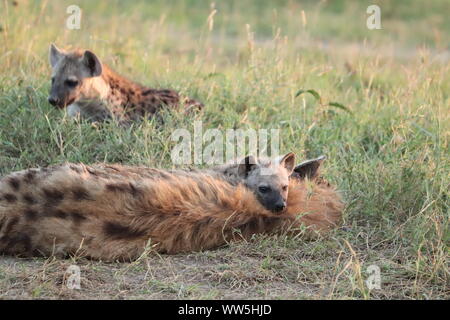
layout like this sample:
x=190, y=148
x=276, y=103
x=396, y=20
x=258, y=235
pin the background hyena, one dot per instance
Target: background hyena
x=89, y=88
x=113, y=212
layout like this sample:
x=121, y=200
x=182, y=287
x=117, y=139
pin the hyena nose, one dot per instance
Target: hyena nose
x=53, y=101
x=280, y=206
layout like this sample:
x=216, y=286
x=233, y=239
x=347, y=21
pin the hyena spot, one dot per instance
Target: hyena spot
x=10, y=197
x=31, y=214
x=14, y=182
x=56, y=214
x=53, y=196
x=77, y=217
x=28, y=198
x=75, y=168
x=29, y=176
x=81, y=194
x=117, y=231
x=147, y=92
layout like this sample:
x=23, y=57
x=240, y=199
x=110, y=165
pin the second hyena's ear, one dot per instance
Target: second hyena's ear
x=308, y=169
x=54, y=55
x=288, y=162
x=92, y=63
x=246, y=165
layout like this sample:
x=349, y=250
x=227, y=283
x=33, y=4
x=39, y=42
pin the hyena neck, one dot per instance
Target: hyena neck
x=109, y=95
x=121, y=91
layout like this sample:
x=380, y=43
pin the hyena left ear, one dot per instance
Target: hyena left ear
x=246, y=165
x=54, y=55
x=288, y=162
x=92, y=63
x=308, y=169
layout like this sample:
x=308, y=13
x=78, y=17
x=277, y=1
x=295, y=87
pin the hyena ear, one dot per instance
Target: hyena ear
x=54, y=55
x=288, y=162
x=92, y=63
x=246, y=165
x=308, y=169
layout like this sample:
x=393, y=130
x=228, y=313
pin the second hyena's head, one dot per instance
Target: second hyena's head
x=72, y=74
x=268, y=179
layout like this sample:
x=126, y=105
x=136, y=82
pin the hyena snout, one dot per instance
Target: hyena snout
x=60, y=100
x=54, y=101
x=273, y=202
x=280, y=206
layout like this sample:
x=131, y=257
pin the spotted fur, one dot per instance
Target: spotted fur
x=113, y=212
x=92, y=90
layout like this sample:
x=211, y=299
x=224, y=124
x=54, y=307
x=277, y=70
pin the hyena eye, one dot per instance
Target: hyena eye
x=285, y=188
x=71, y=83
x=263, y=189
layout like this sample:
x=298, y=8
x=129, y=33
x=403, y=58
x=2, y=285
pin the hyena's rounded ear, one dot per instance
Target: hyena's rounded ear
x=308, y=169
x=54, y=55
x=288, y=162
x=92, y=63
x=246, y=165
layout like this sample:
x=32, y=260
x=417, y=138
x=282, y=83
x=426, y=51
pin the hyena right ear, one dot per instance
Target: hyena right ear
x=246, y=165
x=308, y=169
x=55, y=55
x=92, y=63
x=288, y=162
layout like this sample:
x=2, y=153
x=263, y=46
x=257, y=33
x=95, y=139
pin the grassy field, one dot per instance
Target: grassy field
x=387, y=140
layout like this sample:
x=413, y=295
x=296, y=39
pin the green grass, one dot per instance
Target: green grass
x=389, y=156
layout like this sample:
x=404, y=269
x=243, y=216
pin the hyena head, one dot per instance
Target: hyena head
x=72, y=75
x=268, y=179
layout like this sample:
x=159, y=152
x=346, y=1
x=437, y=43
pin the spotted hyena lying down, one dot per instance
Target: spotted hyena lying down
x=114, y=212
x=92, y=90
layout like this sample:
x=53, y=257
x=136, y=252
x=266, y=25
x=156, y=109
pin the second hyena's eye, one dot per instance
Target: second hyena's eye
x=71, y=83
x=263, y=189
x=285, y=188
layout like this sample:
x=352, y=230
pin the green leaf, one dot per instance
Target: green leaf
x=340, y=106
x=314, y=93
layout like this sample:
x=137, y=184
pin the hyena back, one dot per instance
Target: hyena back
x=112, y=212
x=89, y=88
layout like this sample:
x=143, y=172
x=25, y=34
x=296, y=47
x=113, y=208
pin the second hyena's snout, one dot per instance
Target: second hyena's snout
x=57, y=101
x=60, y=96
x=54, y=101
